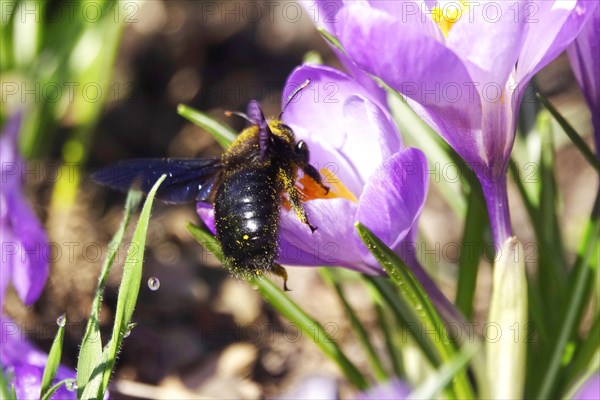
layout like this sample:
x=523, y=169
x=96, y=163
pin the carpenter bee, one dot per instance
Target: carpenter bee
x=247, y=187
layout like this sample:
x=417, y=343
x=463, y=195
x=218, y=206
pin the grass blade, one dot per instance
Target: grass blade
x=585, y=352
x=436, y=382
x=222, y=134
x=468, y=263
x=292, y=312
x=127, y=297
x=403, y=313
x=7, y=389
x=422, y=308
x=53, y=357
x=576, y=300
x=359, y=330
x=334, y=41
x=571, y=133
x=55, y=387
x=90, y=352
x=383, y=318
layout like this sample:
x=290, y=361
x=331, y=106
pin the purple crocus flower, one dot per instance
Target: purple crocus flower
x=373, y=179
x=465, y=74
x=22, y=237
x=394, y=389
x=584, y=54
x=590, y=389
x=25, y=264
x=24, y=364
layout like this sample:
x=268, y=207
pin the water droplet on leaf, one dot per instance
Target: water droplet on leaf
x=71, y=385
x=61, y=320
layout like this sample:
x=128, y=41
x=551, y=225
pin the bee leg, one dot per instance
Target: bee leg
x=316, y=176
x=282, y=273
x=298, y=208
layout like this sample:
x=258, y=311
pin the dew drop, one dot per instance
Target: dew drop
x=61, y=320
x=71, y=385
x=129, y=329
x=153, y=283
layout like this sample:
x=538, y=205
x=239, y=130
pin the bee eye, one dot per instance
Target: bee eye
x=302, y=151
x=301, y=147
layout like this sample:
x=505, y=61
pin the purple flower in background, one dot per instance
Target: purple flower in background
x=313, y=387
x=24, y=364
x=590, y=389
x=584, y=54
x=22, y=237
x=463, y=67
x=394, y=389
x=25, y=264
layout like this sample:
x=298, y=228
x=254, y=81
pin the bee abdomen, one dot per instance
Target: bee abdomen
x=246, y=218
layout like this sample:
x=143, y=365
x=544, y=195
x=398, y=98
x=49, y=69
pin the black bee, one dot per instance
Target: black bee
x=247, y=186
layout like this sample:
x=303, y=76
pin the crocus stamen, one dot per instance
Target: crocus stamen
x=446, y=15
x=311, y=190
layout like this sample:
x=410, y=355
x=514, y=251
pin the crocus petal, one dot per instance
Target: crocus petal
x=371, y=136
x=319, y=107
x=420, y=67
x=207, y=215
x=334, y=243
x=9, y=250
x=314, y=387
x=318, y=117
x=394, y=389
x=584, y=54
x=552, y=27
x=413, y=15
x=590, y=389
x=31, y=263
x=24, y=242
x=26, y=364
x=323, y=12
x=394, y=197
x=489, y=46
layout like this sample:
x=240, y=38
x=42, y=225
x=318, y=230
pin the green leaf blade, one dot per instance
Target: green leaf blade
x=53, y=358
x=291, y=311
x=90, y=352
x=422, y=309
x=222, y=134
x=128, y=292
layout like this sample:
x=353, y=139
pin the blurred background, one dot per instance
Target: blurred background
x=99, y=82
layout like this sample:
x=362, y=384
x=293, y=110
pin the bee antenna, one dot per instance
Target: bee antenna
x=239, y=114
x=294, y=94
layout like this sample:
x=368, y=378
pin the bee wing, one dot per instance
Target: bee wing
x=265, y=135
x=187, y=179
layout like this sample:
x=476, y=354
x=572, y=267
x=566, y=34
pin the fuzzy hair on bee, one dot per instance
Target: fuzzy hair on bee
x=247, y=187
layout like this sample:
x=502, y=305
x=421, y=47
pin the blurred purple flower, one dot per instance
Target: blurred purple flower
x=376, y=180
x=25, y=264
x=22, y=237
x=394, y=389
x=584, y=54
x=314, y=387
x=590, y=390
x=465, y=74
x=23, y=364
